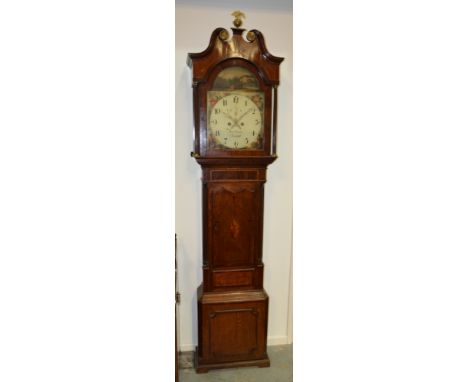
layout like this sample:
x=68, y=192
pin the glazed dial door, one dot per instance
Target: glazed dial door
x=235, y=111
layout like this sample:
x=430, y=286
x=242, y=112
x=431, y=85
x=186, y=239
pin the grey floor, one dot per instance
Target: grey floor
x=281, y=369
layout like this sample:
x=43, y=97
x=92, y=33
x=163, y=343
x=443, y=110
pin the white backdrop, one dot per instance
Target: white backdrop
x=194, y=24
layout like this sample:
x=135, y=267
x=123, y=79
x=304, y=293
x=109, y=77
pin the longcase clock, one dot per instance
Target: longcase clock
x=234, y=83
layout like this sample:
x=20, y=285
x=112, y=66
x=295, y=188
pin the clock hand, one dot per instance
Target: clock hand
x=243, y=115
x=227, y=115
x=237, y=121
x=232, y=119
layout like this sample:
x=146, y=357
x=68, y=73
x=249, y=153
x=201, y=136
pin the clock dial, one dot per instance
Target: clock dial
x=235, y=120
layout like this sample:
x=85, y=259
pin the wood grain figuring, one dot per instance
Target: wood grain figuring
x=234, y=331
x=219, y=55
x=232, y=306
x=218, y=50
x=207, y=366
x=230, y=297
x=239, y=328
x=234, y=175
x=175, y=316
x=233, y=278
x=233, y=223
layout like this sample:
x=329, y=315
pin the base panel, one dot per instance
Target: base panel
x=205, y=367
x=232, y=330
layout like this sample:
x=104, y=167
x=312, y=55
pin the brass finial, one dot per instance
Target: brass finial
x=223, y=35
x=238, y=18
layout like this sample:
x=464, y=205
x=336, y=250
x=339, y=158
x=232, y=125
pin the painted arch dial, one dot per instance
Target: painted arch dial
x=235, y=120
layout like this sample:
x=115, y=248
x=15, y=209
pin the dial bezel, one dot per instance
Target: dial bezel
x=235, y=119
x=202, y=116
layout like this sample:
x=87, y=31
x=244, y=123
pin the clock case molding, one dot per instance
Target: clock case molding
x=232, y=303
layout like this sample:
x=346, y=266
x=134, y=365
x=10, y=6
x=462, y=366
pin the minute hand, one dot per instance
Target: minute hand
x=243, y=115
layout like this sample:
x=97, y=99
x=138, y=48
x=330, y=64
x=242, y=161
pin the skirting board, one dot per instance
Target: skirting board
x=271, y=341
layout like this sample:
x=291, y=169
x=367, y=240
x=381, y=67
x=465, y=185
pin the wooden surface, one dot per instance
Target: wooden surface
x=232, y=329
x=232, y=304
x=221, y=54
x=280, y=370
x=175, y=315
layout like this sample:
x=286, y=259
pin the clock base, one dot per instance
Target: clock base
x=206, y=367
x=232, y=329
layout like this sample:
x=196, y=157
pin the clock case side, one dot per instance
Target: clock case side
x=222, y=53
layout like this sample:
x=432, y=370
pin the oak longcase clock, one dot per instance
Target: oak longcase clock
x=234, y=83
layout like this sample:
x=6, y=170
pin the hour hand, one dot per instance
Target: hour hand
x=235, y=121
x=231, y=118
